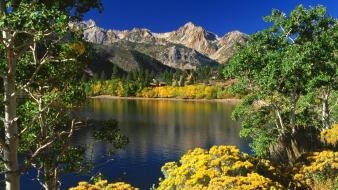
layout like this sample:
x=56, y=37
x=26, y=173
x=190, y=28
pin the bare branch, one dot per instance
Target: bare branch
x=37, y=178
x=33, y=48
x=30, y=94
x=37, y=116
x=70, y=134
x=62, y=60
x=15, y=32
x=3, y=40
x=41, y=148
x=287, y=34
x=36, y=153
x=40, y=63
x=29, y=125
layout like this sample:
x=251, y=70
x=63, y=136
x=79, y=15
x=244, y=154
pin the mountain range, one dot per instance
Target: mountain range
x=188, y=47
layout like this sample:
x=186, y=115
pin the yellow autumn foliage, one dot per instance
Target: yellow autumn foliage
x=103, y=185
x=78, y=47
x=96, y=88
x=317, y=167
x=330, y=136
x=225, y=167
x=197, y=91
x=120, y=90
x=108, y=87
x=222, y=167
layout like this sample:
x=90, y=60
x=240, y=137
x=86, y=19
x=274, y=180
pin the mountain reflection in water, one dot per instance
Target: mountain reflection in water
x=159, y=131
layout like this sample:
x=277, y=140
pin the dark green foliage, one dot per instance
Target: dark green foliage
x=109, y=132
x=60, y=152
x=75, y=7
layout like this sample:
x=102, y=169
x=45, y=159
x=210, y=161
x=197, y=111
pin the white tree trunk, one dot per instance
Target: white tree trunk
x=12, y=175
x=293, y=112
x=281, y=123
x=325, y=110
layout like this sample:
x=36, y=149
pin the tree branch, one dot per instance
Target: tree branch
x=36, y=152
x=287, y=34
x=62, y=60
x=30, y=94
x=70, y=134
x=37, y=116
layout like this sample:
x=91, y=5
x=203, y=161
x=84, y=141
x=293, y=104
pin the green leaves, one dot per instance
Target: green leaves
x=32, y=18
x=47, y=68
x=278, y=68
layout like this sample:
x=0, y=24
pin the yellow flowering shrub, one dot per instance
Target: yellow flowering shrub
x=222, y=167
x=103, y=185
x=317, y=167
x=330, y=136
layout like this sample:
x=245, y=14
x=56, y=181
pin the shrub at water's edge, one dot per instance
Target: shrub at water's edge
x=225, y=167
x=222, y=167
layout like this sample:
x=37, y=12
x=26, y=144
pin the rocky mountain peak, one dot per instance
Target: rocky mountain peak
x=192, y=29
x=234, y=34
x=233, y=37
x=189, y=35
x=140, y=35
x=90, y=23
x=194, y=37
x=190, y=26
x=227, y=44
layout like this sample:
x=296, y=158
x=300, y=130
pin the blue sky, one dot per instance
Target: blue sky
x=218, y=16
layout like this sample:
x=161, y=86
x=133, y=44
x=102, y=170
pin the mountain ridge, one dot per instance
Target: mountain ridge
x=190, y=35
x=188, y=47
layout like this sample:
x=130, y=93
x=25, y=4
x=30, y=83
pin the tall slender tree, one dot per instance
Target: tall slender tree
x=24, y=25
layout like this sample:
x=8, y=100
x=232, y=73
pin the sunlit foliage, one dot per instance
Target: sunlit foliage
x=121, y=88
x=317, y=169
x=280, y=71
x=222, y=167
x=330, y=136
x=103, y=185
x=198, y=91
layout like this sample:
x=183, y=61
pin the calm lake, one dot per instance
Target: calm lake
x=159, y=131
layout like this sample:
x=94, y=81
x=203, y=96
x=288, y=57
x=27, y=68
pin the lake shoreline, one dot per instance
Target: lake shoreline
x=229, y=100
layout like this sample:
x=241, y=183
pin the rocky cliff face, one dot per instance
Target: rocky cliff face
x=188, y=47
x=194, y=37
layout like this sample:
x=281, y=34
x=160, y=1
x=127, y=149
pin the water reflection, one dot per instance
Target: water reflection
x=159, y=131
x=168, y=125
